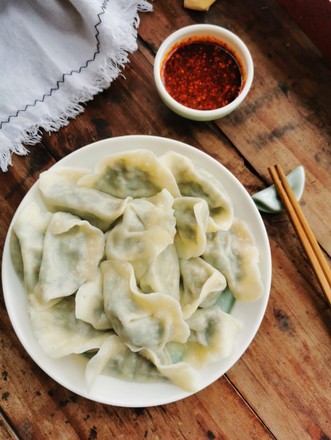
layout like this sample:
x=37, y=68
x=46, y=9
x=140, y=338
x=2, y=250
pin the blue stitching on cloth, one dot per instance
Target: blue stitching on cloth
x=53, y=89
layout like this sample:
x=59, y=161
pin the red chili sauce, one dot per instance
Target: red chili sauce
x=202, y=74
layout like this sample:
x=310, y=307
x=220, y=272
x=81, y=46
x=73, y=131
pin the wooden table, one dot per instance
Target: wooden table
x=281, y=387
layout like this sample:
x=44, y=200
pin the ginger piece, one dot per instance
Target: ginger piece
x=198, y=5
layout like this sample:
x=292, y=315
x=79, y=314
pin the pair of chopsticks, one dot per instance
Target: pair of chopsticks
x=303, y=230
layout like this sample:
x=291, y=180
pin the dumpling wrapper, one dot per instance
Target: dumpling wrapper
x=30, y=229
x=235, y=254
x=213, y=334
x=196, y=182
x=72, y=251
x=90, y=305
x=114, y=358
x=60, y=192
x=60, y=333
x=163, y=274
x=140, y=320
x=146, y=229
x=181, y=374
x=202, y=285
x=136, y=174
x=192, y=216
x=212, y=338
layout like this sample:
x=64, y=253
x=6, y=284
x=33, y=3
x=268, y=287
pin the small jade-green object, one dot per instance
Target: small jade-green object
x=268, y=200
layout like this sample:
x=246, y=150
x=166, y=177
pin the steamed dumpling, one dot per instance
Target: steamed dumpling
x=116, y=359
x=141, y=320
x=146, y=229
x=192, y=216
x=202, y=285
x=212, y=337
x=213, y=333
x=72, y=251
x=234, y=253
x=136, y=174
x=196, y=182
x=30, y=229
x=60, y=192
x=90, y=304
x=60, y=333
x=180, y=373
x=163, y=274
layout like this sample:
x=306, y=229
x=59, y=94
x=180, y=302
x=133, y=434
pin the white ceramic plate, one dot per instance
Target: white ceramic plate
x=69, y=371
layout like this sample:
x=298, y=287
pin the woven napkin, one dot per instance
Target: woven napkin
x=56, y=55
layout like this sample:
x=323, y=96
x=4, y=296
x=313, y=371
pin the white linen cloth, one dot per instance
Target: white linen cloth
x=54, y=56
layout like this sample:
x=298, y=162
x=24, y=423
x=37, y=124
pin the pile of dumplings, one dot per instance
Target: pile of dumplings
x=128, y=265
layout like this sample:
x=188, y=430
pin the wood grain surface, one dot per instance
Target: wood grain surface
x=281, y=386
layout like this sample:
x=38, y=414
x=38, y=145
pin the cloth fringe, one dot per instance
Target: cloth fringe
x=104, y=75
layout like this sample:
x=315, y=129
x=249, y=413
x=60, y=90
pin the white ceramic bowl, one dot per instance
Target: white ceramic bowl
x=69, y=371
x=231, y=42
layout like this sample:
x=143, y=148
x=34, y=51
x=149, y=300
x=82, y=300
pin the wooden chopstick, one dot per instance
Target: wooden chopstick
x=6, y=429
x=303, y=230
